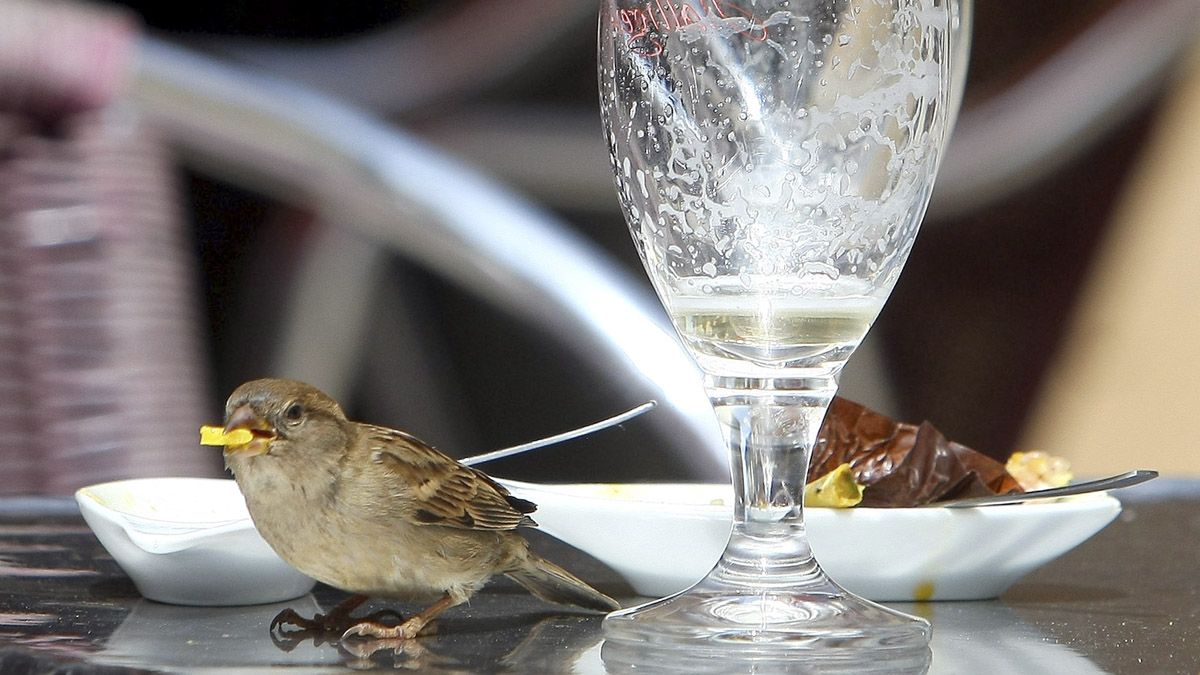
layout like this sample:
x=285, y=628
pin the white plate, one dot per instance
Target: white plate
x=188, y=541
x=664, y=537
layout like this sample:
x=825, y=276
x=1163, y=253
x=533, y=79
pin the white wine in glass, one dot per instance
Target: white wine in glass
x=773, y=159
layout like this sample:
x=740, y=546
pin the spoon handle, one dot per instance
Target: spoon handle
x=559, y=438
x=1110, y=483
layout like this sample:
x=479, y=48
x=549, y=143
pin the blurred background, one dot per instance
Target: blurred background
x=193, y=195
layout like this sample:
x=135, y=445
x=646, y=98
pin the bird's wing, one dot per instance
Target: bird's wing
x=443, y=491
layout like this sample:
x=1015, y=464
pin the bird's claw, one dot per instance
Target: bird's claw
x=379, y=631
x=288, y=627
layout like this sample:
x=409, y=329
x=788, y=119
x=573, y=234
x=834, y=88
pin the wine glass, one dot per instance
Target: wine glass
x=773, y=159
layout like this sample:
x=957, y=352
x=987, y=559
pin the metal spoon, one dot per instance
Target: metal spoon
x=559, y=438
x=1110, y=483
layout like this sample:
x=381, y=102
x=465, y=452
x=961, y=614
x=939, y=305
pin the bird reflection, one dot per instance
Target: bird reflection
x=289, y=630
x=543, y=643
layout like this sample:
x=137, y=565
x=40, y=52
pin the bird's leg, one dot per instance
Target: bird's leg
x=411, y=628
x=336, y=620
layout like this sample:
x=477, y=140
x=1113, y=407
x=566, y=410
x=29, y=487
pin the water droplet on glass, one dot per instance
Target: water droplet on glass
x=711, y=270
x=843, y=40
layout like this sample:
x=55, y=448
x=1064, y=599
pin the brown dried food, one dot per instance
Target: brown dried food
x=902, y=464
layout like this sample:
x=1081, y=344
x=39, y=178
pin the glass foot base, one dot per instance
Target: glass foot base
x=820, y=623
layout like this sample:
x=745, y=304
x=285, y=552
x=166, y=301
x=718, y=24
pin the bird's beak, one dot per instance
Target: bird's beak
x=244, y=417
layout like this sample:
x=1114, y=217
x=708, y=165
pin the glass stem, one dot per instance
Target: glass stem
x=770, y=427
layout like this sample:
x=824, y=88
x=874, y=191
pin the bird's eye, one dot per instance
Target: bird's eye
x=294, y=413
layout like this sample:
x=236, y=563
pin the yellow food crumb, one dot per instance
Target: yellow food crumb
x=1037, y=470
x=216, y=436
x=836, y=489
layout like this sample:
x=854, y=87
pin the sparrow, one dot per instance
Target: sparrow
x=376, y=512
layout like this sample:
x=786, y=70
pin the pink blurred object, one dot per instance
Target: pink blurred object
x=59, y=57
x=101, y=372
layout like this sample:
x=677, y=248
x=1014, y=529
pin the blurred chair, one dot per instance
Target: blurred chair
x=372, y=191
x=1070, y=99
x=379, y=189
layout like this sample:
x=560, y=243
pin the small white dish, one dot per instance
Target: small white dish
x=188, y=541
x=664, y=537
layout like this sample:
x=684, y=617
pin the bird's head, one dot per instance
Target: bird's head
x=285, y=419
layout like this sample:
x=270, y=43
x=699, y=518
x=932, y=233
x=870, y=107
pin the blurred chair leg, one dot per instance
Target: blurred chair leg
x=328, y=308
x=344, y=293
x=103, y=284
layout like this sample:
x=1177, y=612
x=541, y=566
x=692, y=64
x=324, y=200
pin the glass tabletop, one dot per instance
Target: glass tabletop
x=1125, y=601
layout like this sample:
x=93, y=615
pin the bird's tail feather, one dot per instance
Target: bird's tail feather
x=554, y=584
